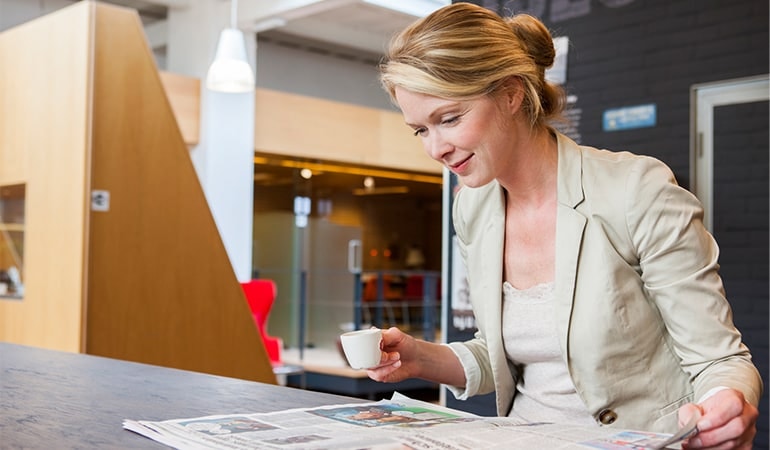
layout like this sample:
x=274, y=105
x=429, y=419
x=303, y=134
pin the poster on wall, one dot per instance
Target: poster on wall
x=460, y=321
x=462, y=312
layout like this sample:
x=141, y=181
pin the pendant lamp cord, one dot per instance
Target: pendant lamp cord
x=233, y=13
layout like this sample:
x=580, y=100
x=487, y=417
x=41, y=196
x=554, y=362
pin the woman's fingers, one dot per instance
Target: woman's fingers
x=389, y=364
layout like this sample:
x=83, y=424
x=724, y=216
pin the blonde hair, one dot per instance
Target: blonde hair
x=464, y=51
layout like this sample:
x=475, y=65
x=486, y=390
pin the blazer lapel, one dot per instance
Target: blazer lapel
x=570, y=225
x=490, y=266
x=488, y=303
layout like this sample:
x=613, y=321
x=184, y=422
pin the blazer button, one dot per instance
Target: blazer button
x=607, y=417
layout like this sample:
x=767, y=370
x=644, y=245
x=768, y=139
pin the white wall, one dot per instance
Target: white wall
x=312, y=73
x=15, y=12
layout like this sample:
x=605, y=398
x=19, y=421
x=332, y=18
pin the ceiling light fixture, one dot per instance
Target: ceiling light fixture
x=230, y=71
x=381, y=190
x=346, y=169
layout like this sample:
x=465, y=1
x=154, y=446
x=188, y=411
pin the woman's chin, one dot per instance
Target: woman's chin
x=472, y=182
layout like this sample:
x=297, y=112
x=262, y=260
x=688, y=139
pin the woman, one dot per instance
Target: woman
x=593, y=281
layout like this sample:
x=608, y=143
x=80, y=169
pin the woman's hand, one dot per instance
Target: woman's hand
x=406, y=357
x=399, y=354
x=727, y=421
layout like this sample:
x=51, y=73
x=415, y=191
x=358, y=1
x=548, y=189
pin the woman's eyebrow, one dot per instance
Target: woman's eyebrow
x=435, y=113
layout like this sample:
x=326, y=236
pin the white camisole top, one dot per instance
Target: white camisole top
x=545, y=392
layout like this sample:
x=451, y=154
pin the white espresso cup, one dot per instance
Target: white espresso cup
x=362, y=347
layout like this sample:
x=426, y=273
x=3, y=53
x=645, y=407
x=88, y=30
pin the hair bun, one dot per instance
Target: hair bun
x=533, y=34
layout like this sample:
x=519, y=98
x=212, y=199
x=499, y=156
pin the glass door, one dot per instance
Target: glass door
x=730, y=160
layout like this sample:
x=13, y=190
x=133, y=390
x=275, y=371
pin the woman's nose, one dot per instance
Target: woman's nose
x=436, y=147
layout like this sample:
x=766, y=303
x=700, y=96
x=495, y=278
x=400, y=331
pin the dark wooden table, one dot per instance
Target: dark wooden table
x=51, y=399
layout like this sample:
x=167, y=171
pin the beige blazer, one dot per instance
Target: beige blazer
x=641, y=315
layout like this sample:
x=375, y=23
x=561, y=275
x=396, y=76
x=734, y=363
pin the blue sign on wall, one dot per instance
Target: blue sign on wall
x=629, y=117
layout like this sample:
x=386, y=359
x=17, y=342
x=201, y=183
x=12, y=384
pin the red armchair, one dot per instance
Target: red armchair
x=260, y=295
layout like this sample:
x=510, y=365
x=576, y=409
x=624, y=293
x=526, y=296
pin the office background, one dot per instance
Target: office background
x=622, y=54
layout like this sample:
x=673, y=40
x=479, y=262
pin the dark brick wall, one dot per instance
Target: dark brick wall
x=651, y=51
x=741, y=227
x=633, y=52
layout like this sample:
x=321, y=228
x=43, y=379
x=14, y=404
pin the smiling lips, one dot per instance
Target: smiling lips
x=459, y=166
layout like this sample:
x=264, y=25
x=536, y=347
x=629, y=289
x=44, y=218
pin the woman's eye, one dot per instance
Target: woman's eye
x=450, y=120
x=419, y=131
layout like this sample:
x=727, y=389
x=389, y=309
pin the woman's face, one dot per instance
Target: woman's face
x=473, y=138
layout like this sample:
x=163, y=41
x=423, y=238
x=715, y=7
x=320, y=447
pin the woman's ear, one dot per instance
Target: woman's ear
x=513, y=94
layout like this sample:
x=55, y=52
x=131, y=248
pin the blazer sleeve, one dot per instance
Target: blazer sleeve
x=678, y=261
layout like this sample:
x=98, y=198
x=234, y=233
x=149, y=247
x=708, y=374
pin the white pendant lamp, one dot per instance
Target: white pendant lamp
x=230, y=71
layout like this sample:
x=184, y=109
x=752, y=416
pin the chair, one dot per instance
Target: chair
x=371, y=298
x=414, y=294
x=260, y=294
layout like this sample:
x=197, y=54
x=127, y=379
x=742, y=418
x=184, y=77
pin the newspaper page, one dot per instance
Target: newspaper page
x=399, y=423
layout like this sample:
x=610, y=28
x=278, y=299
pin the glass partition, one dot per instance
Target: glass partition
x=392, y=216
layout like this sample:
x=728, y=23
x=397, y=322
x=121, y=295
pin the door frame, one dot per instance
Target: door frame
x=703, y=99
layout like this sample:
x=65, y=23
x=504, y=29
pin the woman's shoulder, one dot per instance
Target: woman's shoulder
x=602, y=168
x=612, y=159
x=632, y=170
x=615, y=181
x=614, y=178
x=595, y=158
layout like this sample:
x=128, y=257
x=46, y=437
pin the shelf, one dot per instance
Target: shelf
x=12, y=226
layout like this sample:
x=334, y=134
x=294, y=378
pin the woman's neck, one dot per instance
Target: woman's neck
x=530, y=179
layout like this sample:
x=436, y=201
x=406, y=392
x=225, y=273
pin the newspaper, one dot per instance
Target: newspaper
x=399, y=423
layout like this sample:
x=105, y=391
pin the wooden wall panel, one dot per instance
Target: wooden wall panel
x=44, y=85
x=184, y=94
x=399, y=148
x=306, y=127
x=161, y=288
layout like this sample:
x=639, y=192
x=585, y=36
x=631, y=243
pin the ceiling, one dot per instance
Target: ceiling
x=363, y=26
x=359, y=25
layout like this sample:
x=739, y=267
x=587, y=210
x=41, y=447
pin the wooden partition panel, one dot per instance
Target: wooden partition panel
x=148, y=279
x=44, y=86
x=161, y=288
